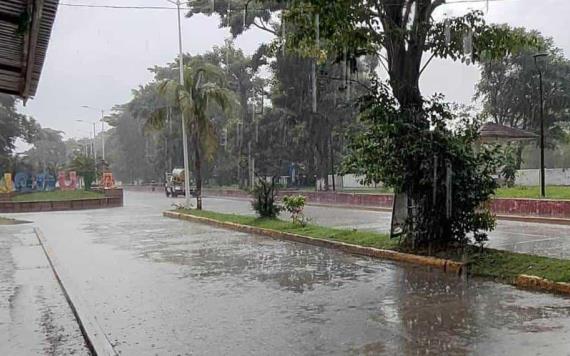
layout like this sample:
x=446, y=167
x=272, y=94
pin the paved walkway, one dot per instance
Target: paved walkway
x=168, y=287
x=35, y=318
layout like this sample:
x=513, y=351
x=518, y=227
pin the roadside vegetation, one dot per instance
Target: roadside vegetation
x=552, y=192
x=499, y=265
x=363, y=238
x=57, y=196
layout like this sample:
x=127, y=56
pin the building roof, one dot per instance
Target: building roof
x=492, y=132
x=25, y=29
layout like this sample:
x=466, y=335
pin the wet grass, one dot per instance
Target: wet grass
x=57, y=196
x=552, y=192
x=505, y=265
x=369, y=239
x=488, y=263
x=8, y=221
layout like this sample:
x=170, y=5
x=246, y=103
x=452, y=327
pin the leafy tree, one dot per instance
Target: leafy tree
x=318, y=135
x=509, y=91
x=392, y=151
x=48, y=153
x=84, y=166
x=241, y=15
x=203, y=86
x=12, y=126
x=404, y=134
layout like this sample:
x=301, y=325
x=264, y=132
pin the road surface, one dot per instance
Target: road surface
x=169, y=287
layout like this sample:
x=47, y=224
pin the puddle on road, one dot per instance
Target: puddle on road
x=216, y=291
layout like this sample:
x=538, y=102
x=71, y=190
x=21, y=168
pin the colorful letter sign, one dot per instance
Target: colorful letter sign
x=67, y=184
x=107, y=180
x=6, y=183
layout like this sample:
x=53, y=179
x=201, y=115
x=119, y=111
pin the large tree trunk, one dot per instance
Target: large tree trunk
x=404, y=55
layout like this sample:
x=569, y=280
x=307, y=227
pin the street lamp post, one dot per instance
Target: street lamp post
x=184, y=135
x=102, y=128
x=541, y=90
x=94, y=135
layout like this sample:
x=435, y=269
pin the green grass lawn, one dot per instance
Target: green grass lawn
x=505, y=265
x=552, y=192
x=489, y=263
x=56, y=196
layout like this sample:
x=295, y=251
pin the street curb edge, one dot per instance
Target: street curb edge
x=95, y=339
x=443, y=264
x=537, y=283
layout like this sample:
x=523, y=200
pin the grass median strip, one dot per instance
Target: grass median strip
x=368, y=239
x=508, y=266
x=552, y=192
x=57, y=196
x=499, y=265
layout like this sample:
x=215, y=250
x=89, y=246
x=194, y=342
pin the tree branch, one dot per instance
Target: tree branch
x=264, y=28
x=427, y=63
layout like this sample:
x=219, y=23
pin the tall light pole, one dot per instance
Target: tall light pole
x=94, y=135
x=102, y=128
x=184, y=137
x=542, y=170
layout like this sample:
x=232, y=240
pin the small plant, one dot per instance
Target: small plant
x=294, y=205
x=264, y=202
x=510, y=164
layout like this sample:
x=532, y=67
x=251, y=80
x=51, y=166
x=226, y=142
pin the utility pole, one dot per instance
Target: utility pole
x=184, y=135
x=102, y=134
x=102, y=128
x=251, y=160
x=93, y=142
x=542, y=170
x=332, y=163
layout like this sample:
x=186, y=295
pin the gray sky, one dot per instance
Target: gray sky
x=97, y=56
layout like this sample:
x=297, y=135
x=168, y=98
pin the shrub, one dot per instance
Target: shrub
x=294, y=205
x=264, y=202
x=410, y=151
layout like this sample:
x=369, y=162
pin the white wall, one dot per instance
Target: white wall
x=349, y=181
x=530, y=177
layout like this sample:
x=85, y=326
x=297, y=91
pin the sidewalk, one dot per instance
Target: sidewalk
x=35, y=318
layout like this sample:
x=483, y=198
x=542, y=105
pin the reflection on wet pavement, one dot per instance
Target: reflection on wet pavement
x=162, y=286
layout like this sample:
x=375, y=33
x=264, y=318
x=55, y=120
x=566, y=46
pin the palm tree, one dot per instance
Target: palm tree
x=204, y=89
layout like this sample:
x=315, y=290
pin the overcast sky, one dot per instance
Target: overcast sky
x=97, y=56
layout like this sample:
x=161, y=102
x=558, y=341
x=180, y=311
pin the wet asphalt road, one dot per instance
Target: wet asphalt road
x=168, y=287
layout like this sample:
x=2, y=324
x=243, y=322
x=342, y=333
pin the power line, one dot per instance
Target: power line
x=135, y=7
x=123, y=7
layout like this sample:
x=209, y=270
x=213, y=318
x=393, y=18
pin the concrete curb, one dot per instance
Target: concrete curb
x=537, y=283
x=95, y=338
x=445, y=265
x=534, y=219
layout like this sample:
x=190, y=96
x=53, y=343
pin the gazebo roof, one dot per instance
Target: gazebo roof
x=25, y=29
x=492, y=132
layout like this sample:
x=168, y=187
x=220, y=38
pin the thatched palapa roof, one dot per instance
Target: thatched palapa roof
x=25, y=29
x=492, y=132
